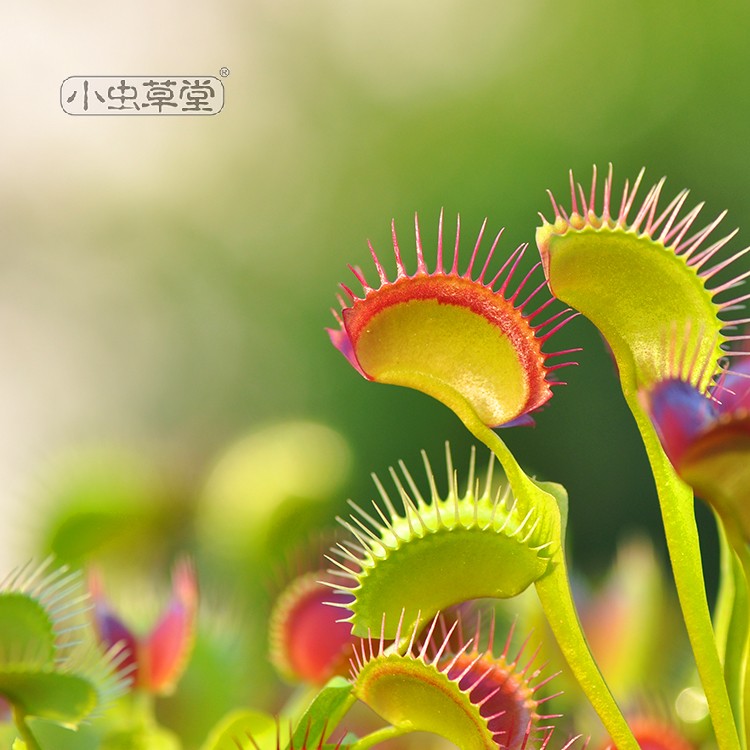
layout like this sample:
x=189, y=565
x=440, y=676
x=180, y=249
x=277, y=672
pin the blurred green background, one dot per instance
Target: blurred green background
x=165, y=282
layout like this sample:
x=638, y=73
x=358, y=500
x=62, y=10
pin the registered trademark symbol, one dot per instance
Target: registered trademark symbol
x=224, y=72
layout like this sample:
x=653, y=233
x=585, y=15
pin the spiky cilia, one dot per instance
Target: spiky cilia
x=681, y=410
x=479, y=542
x=507, y=689
x=475, y=345
x=632, y=274
x=484, y=543
x=463, y=693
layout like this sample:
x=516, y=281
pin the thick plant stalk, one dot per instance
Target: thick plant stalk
x=681, y=533
x=24, y=731
x=557, y=600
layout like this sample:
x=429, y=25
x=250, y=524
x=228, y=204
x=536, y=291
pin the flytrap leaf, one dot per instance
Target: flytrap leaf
x=707, y=435
x=243, y=729
x=253, y=730
x=64, y=698
x=27, y=635
x=474, y=344
x=634, y=271
x=446, y=685
x=306, y=642
x=707, y=439
x=50, y=665
x=324, y=713
x=479, y=542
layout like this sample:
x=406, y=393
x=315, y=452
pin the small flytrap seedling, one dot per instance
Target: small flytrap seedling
x=477, y=346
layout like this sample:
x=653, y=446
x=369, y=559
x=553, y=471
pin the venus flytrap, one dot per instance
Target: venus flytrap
x=157, y=659
x=453, y=335
x=477, y=349
x=631, y=277
x=154, y=661
x=460, y=691
x=427, y=678
x=50, y=664
x=707, y=439
x=307, y=644
x=245, y=730
x=706, y=436
x=410, y=566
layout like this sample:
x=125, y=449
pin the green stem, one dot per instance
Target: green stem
x=680, y=530
x=556, y=597
x=559, y=609
x=737, y=644
x=374, y=738
x=731, y=624
x=724, y=607
x=19, y=718
x=142, y=709
x=736, y=661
